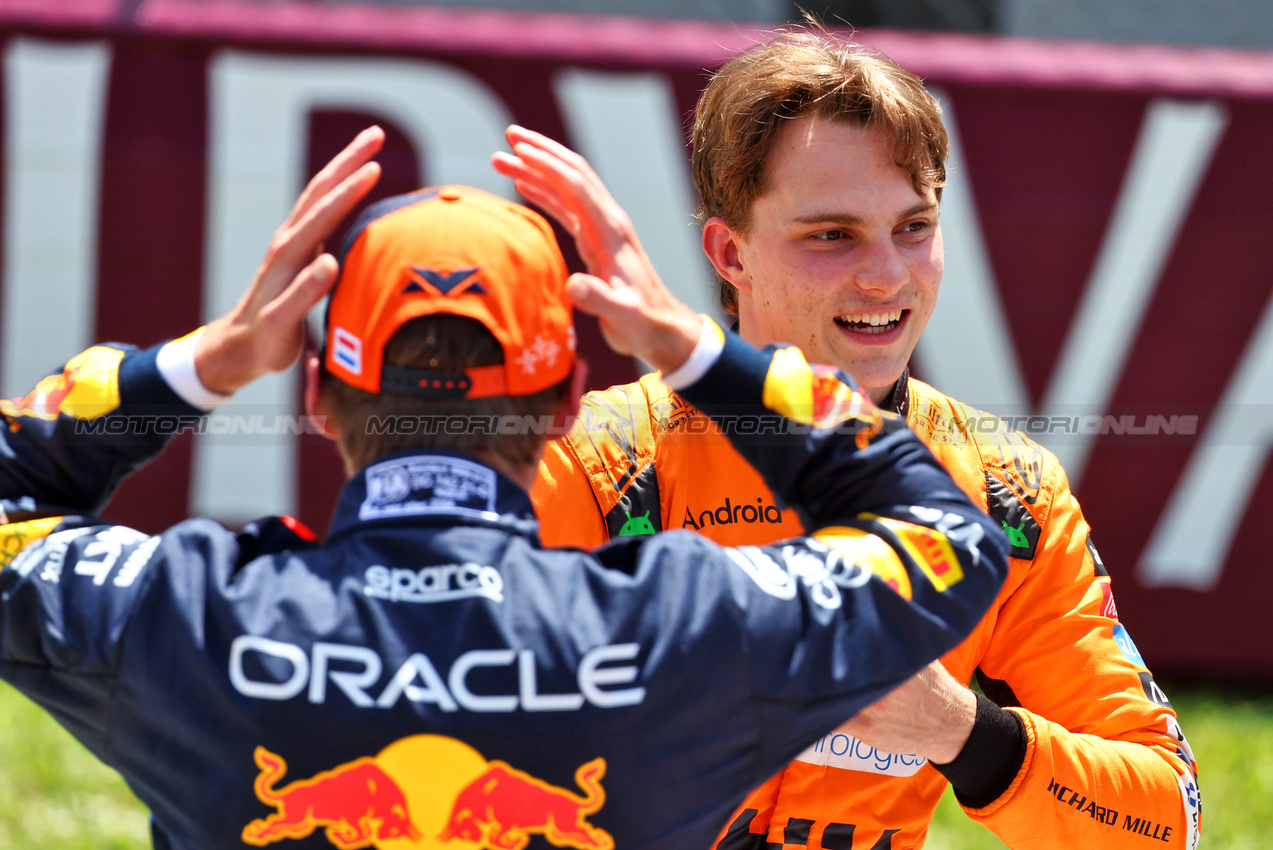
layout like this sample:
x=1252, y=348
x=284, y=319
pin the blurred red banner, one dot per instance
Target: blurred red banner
x=1107, y=286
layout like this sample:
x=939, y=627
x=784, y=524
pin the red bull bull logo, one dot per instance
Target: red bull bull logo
x=45, y=401
x=503, y=807
x=87, y=388
x=357, y=804
x=428, y=791
x=815, y=395
x=832, y=399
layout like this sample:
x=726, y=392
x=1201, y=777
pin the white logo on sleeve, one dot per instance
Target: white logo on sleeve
x=820, y=568
x=764, y=571
x=848, y=753
x=53, y=550
x=102, y=553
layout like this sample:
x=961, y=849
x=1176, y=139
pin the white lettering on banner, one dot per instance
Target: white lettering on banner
x=848, y=753
x=628, y=127
x=297, y=670
x=967, y=348
x=1195, y=533
x=258, y=111
x=1176, y=143
x=54, y=112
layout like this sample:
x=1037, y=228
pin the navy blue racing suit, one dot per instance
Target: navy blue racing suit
x=429, y=675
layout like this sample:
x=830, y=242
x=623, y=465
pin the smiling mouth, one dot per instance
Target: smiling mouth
x=871, y=323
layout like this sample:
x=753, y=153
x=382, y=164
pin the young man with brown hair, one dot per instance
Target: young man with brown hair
x=430, y=674
x=820, y=168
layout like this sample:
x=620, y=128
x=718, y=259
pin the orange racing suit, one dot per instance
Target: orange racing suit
x=1100, y=760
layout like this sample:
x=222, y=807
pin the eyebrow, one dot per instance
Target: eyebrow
x=853, y=220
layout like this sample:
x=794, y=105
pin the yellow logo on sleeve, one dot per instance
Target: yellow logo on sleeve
x=870, y=552
x=815, y=395
x=17, y=536
x=87, y=388
x=929, y=548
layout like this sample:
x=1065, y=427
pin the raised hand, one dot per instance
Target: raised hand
x=263, y=333
x=638, y=315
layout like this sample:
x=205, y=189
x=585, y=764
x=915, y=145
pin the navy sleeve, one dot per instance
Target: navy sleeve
x=69, y=582
x=68, y=588
x=898, y=568
x=821, y=444
x=66, y=595
x=67, y=445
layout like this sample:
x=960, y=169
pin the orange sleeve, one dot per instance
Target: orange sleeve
x=1106, y=764
x=564, y=502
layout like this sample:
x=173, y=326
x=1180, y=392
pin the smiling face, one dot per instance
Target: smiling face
x=842, y=256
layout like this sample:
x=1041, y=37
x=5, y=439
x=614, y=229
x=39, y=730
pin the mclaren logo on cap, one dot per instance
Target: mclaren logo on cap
x=446, y=282
x=347, y=350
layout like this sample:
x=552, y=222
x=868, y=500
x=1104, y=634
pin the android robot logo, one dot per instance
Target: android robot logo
x=1016, y=536
x=637, y=525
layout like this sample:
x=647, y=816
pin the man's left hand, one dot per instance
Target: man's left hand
x=930, y=715
x=636, y=312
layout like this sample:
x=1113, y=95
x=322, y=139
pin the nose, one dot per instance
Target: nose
x=882, y=270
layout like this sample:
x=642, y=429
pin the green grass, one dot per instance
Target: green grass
x=1231, y=733
x=54, y=795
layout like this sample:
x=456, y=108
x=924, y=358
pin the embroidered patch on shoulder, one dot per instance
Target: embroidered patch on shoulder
x=1018, y=523
x=638, y=511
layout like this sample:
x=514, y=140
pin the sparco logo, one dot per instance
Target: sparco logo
x=729, y=513
x=440, y=583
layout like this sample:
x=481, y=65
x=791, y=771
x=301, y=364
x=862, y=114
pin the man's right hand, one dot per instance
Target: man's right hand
x=262, y=334
x=637, y=313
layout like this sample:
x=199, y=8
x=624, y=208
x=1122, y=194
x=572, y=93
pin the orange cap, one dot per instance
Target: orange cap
x=459, y=251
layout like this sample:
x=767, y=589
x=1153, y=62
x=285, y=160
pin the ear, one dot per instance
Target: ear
x=721, y=245
x=314, y=407
x=569, y=407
